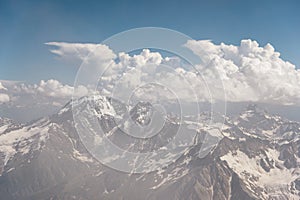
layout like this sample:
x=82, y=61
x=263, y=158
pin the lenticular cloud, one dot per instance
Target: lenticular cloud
x=247, y=72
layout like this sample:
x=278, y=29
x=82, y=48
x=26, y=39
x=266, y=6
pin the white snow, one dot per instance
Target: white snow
x=3, y=128
x=81, y=157
x=252, y=173
x=23, y=138
x=63, y=110
x=176, y=174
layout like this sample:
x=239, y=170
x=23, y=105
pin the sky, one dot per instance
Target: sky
x=25, y=27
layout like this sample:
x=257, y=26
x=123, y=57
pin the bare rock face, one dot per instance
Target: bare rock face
x=257, y=158
x=141, y=113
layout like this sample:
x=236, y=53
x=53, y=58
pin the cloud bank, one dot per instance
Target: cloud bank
x=247, y=72
x=2, y=87
x=46, y=92
x=24, y=102
x=3, y=97
x=242, y=73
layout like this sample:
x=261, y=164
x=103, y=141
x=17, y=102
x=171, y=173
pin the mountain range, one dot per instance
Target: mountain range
x=254, y=155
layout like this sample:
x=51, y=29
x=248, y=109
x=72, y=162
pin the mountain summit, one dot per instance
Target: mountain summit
x=257, y=157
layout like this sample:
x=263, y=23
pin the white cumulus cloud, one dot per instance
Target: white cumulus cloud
x=54, y=88
x=75, y=51
x=4, y=98
x=2, y=87
x=23, y=101
x=97, y=56
x=45, y=92
x=246, y=72
x=249, y=72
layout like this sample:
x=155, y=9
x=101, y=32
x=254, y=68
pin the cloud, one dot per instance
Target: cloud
x=2, y=87
x=54, y=88
x=4, y=98
x=46, y=92
x=97, y=56
x=79, y=51
x=24, y=102
x=247, y=72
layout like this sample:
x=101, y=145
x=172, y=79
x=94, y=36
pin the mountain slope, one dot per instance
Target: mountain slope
x=257, y=157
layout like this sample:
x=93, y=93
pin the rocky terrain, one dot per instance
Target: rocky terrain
x=255, y=155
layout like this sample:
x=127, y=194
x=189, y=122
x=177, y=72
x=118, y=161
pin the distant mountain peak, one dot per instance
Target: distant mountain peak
x=46, y=159
x=255, y=108
x=141, y=113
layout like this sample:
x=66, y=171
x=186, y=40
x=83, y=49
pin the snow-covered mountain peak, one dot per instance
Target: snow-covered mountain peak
x=141, y=113
x=258, y=157
x=101, y=105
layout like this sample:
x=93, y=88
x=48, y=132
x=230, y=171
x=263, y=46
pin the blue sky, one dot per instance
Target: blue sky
x=26, y=26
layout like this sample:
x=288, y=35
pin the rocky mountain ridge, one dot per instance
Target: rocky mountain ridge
x=255, y=155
